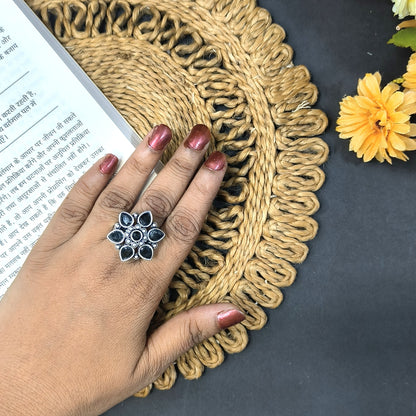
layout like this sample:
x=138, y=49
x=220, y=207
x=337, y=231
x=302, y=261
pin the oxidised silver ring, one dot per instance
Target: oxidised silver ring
x=136, y=236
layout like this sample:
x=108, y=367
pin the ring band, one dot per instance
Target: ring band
x=136, y=235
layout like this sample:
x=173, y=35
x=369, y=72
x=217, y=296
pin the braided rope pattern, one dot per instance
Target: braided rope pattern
x=222, y=63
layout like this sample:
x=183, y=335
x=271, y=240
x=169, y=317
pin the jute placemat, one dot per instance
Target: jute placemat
x=222, y=63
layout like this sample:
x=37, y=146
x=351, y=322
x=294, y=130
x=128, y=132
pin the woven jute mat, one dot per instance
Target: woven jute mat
x=222, y=63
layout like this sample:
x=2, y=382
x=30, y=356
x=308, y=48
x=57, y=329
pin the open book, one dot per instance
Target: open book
x=54, y=123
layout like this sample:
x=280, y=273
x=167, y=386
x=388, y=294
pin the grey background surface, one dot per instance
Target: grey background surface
x=343, y=341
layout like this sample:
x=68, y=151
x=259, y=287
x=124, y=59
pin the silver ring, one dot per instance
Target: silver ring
x=136, y=236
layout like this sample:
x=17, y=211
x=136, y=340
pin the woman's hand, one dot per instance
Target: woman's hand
x=73, y=325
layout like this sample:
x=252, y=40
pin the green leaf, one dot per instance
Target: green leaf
x=405, y=38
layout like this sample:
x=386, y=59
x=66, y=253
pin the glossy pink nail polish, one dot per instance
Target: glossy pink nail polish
x=215, y=161
x=108, y=164
x=159, y=137
x=230, y=318
x=198, y=137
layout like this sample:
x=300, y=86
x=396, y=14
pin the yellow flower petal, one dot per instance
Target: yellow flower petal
x=394, y=101
x=388, y=90
x=359, y=138
x=364, y=102
x=409, y=102
x=401, y=128
x=369, y=86
x=412, y=131
x=396, y=142
x=382, y=155
x=410, y=76
x=409, y=143
x=399, y=117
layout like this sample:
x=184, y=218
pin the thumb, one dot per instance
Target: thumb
x=182, y=332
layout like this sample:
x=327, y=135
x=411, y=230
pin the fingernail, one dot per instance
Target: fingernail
x=215, y=161
x=229, y=318
x=108, y=164
x=159, y=137
x=198, y=138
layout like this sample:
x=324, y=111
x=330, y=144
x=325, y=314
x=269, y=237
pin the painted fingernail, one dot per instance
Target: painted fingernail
x=108, y=164
x=159, y=137
x=215, y=161
x=229, y=318
x=198, y=137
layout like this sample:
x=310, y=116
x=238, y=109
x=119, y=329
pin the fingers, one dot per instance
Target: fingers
x=181, y=228
x=122, y=192
x=162, y=196
x=77, y=205
x=183, y=225
x=183, y=332
x=187, y=203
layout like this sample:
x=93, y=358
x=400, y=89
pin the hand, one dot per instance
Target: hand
x=74, y=323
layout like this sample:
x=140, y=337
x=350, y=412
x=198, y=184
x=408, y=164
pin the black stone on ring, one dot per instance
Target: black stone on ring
x=136, y=236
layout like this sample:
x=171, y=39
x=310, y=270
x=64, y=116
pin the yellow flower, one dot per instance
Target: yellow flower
x=404, y=8
x=410, y=76
x=378, y=122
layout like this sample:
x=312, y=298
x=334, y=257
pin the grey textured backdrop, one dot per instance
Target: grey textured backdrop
x=343, y=342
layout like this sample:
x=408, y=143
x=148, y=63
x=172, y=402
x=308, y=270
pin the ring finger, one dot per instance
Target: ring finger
x=184, y=223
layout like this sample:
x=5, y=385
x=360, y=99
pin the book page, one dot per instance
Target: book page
x=52, y=130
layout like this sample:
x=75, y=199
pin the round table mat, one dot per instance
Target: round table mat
x=222, y=63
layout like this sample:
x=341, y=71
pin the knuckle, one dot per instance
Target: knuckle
x=83, y=189
x=139, y=291
x=137, y=166
x=144, y=289
x=159, y=202
x=183, y=225
x=202, y=188
x=106, y=272
x=196, y=334
x=117, y=199
x=73, y=213
x=182, y=168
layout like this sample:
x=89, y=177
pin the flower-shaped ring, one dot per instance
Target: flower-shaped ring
x=136, y=236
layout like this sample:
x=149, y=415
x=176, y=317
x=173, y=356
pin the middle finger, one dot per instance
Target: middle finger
x=168, y=187
x=122, y=192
